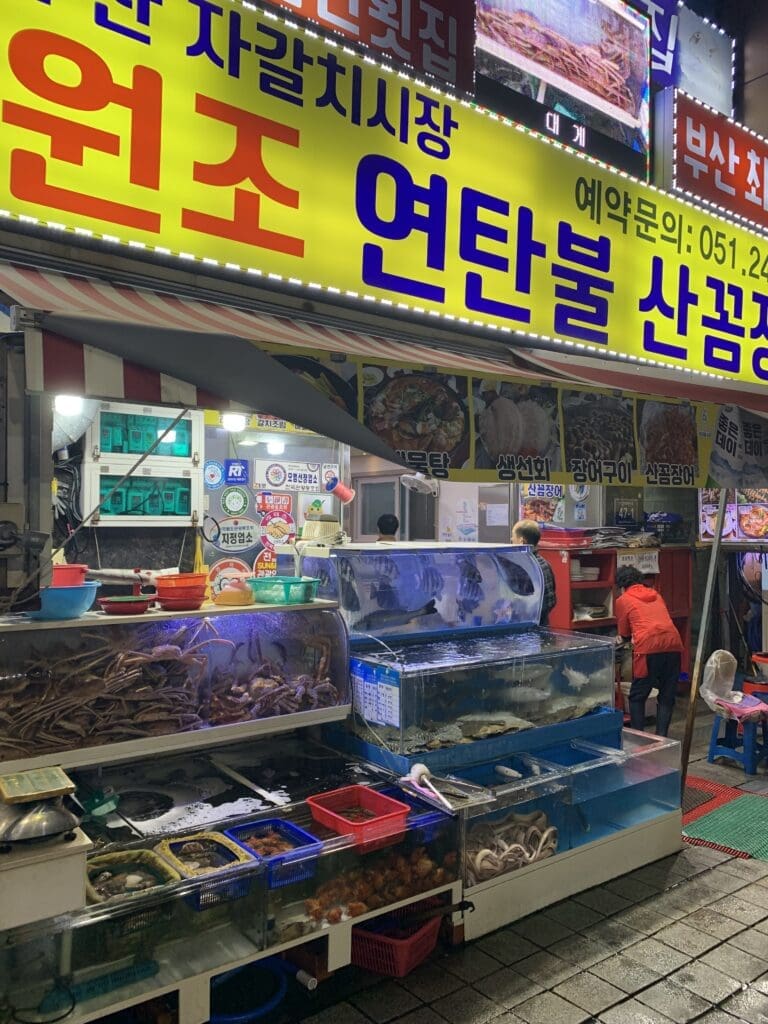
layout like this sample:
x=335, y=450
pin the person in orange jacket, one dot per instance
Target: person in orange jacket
x=642, y=616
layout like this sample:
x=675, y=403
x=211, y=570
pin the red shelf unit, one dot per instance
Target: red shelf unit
x=674, y=582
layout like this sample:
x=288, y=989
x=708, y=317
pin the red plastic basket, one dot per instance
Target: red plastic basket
x=389, y=823
x=399, y=954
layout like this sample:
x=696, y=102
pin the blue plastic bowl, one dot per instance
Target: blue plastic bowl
x=65, y=602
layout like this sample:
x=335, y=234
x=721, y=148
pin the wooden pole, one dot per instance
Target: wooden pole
x=701, y=646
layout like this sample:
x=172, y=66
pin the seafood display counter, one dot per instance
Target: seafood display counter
x=452, y=671
x=98, y=689
x=179, y=895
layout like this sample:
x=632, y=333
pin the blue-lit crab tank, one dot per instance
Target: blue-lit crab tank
x=95, y=681
x=448, y=663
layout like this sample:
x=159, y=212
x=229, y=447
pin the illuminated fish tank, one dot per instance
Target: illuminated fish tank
x=98, y=681
x=407, y=590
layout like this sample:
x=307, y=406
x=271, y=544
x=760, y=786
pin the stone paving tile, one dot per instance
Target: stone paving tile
x=660, y=958
x=508, y=988
x=755, y=893
x=687, y=939
x=385, y=1002
x=602, y=901
x=755, y=786
x=644, y=918
x=341, y=1013
x=735, y=962
x=626, y=974
x=705, y=981
x=753, y=942
x=631, y=888
x=590, y=993
x=724, y=881
x=546, y=970
x=632, y=1012
x=749, y=869
x=739, y=910
x=689, y=896
x=654, y=876
x=431, y=982
x=507, y=947
x=581, y=950
x=424, y=1015
x=718, y=1017
x=707, y=920
x=573, y=915
x=614, y=934
x=750, y=1005
x=549, y=1008
x=679, y=1004
x=467, y=1007
x=543, y=930
x=471, y=963
x=761, y=926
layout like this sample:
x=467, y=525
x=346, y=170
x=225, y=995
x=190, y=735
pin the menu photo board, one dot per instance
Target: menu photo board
x=746, y=515
x=577, y=70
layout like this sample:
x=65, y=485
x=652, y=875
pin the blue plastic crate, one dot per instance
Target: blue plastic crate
x=423, y=819
x=296, y=865
x=213, y=892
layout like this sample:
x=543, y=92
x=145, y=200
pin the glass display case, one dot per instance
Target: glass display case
x=423, y=696
x=390, y=591
x=564, y=797
x=96, y=681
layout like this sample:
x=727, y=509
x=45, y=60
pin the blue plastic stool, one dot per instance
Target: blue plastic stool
x=745, y=748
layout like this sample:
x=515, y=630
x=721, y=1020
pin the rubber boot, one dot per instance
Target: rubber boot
x=663, y=718
x=637, y=714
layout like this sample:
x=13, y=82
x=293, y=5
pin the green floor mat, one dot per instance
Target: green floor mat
x=741, y=825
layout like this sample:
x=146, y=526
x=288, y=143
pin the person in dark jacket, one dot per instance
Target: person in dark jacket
x=642, y=616
x=527, y=532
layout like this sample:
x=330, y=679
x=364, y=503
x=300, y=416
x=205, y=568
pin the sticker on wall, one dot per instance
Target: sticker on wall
x=265, y=564
x=579, y=492
x=313, y=505
x=297, y=476
x=270, y=474
x=236, y=472
x=273, y=501
x=330, y=472
x=226, y=570
x=277, y=528
x=237, y=534
x=235, y=501
x=213, y=474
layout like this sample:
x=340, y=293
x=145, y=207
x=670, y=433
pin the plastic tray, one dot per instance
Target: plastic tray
x=210, y=894
x=389, y=823
x=284, y=589
x=399, y=954
x=296, y=865
x=423, y=820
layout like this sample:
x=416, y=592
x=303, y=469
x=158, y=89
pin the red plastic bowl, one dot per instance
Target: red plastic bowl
x=181, y=593
x=180, y=605
x=68, y=575
x=182, y=579
x=125, y=605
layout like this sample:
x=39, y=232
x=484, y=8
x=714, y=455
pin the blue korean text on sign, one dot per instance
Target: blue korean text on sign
x=236, y=471
x=664, y=20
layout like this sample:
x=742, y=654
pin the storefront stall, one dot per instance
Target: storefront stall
x=538, y=349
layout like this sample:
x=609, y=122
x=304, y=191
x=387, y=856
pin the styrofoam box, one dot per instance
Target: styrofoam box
x=650, y=704
x=42, y=880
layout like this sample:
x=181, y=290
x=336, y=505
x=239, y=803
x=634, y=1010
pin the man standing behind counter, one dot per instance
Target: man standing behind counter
x=527, y=532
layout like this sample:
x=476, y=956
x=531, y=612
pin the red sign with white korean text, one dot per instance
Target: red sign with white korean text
x=720, y=161
x=435, y=36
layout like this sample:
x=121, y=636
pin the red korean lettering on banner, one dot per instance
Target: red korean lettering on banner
x=33, y=173
x=435, y=36
x=720, y=161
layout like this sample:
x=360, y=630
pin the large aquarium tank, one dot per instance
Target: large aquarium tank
x=407, y=590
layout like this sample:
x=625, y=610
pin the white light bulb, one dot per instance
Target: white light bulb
x=68, y=405
x=234, y=422
x=275, y=447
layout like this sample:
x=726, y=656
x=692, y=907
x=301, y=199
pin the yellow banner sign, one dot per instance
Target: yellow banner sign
x=214, y=131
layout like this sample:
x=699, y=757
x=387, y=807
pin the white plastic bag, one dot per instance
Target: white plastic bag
x=717, y=684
